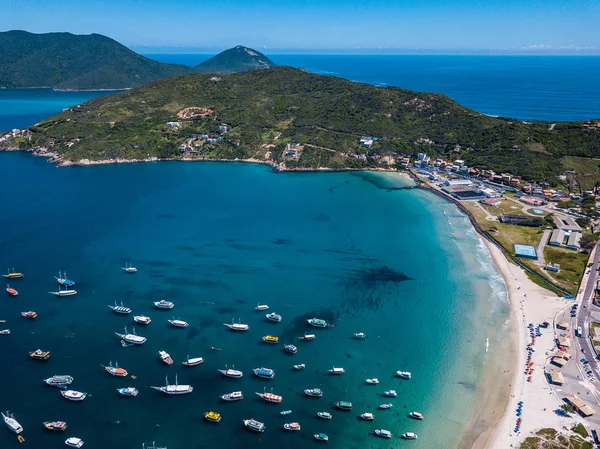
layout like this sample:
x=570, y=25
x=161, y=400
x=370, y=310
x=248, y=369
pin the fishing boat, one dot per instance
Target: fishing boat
x=133, y=339
x=141, y=319
x=274, y=317
x=128, y=268
x=270, y=397
x=321, y=437
x=228, y=372
x=74, y=442
x=254, y=425
x=344, y=405
x=336, y=371
x=193, y=361
x=416, y=415
x=13, y=275
x=11, y=422
x=404, y=374
x=324, y=415
x=385, y=406
x=120, y=309
x=128, y=391
x=212, y=416
x=291, y=348
x=285, y=412
x=62, y=280
x=313, y=392
x=165, y=357
x=316, y=322
x=174, y=389
x=383, y=433
x=237, y=326
x=233, y=396
x=73, y=395
x=300, y=366
x=409, y=436
x=307, y=337
x=390, y=393
x=59, y=381
x=372, y=381
x=265, y=373
x=270, y=339
x=163, y=304
x=38, y=354
x=178, y=323
x=11, y=291
x=55, y=425
x=261, y=307
x=360, y=335
x=65, y=292
x=292, y=426
x=367, y=416
x=115, y=370
x=29, y=315
x=4, y=331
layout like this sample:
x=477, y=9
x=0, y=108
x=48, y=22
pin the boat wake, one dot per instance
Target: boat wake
x=487, y=344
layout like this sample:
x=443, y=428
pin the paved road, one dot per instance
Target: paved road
x=540, y=249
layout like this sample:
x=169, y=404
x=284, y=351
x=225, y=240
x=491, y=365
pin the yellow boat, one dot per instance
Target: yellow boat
x=212, y=416
x=270, y=339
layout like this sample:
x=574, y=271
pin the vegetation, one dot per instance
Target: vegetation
x=551, y=439
x=584, y=173
x=237, y=59
x=566, y=408
x=572, y=266
x=266, y=108
x=580, y=429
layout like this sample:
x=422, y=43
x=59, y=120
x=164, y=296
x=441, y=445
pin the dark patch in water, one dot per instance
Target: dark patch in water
x=158, y=263
x=186, y=248
x=166, y=216
x=281, y=241
x=241, y=301
x=243, y=247
x=208, y=322
x=348, y=356
x=157, y=275
x=384, y=274
x=232, y=240
x=332, y=189
x=193, y=332
x=225, y=310
x=468, y=385
x=322, y=217
x=237, y=269
x=210, y=244
x=206, y=283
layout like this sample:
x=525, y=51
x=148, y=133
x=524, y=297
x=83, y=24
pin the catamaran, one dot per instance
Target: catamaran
x=193, y=361
x=11, y=291
x=163, y=304
x=55, y=425
x=133, y=339
x=270, y=397
x=237, y=326
x=65, y=292
x=228, y=372
x=128, y=268
x=13, y=275
x=233, y=396
x=60, y=381
x=273, y=317
x=254, y=425
x=73, y=395
x=165, y=357
x=178, y=323
x=62, y=280
x=114, y=370
x=120, y=309
x=174, y=389
x=11, y=422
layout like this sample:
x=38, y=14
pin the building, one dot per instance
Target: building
x=490, y=201
x=490, y=193
x=563, y=342
x=561, y=358
x=554, y=267
x=574, y=241
x=459, y=162
x=532, y=201
x=581, y=407
x=521, y=220
x=173, y=125
x=566, y=223
x=557, y=238
x=458, y=182
x=562, y=325
x=526, y=251
x=556, y=377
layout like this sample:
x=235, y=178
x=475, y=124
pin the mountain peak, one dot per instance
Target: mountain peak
x=236, y=59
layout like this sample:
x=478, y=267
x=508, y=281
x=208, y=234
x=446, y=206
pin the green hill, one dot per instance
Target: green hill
x=267, y=109
x=237, y=59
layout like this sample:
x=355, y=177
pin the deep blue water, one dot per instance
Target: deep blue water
x=525, y=87
x=399, y=264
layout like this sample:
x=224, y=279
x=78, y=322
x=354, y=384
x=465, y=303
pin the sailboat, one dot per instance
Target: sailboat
x=133, y=339
x=174, y=389
x=65, y=292
x=12, y=275
x=237, y=326
x=62, y=280
x=128, y=268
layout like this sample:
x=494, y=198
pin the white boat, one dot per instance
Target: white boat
x=307, y=337
x=372, y=381
x=128, y=268
x=300, y=366
x=324, y=415
x=163, y=304
x=390, y=393
x=62, y=280
x=115, y=370
x=65, y=292
x=59, y=381
x=74, y=442
x=141, y=319
x=383, y=433
x=73, y=395
x=133, y=339
x=416, y=415
x=174, y=389
x=292, y=426
x=410, y=436
x=120, y=309
x=360, y=335
x=385, y=406
x=291, y=349
x=165, y=357
x=5, y=332
x=270, y=397
x=193, y=361
x=261, y=307
x=321, y=437
x=11, y=422
x=128, y=391
x=273, y=317
x=313, y=392
x=254, y=425
x=285, y=412
x=336, y=371
x=228, y=372
x=404, y=374
x=233, y=396
x=178, y=323
x=367, y=416
x=317, y=322
x=237, y=326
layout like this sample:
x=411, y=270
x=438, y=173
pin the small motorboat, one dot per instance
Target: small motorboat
x=233, y=396
x=165, y=357
x=212, y=416
x=162, y=304
x=74, y=442
x=404, y=374
x=115, y=370
x=55, y=425
x=141, y=319
x=4, y=331
x=29, y=315
x=285, y=412
x=344, y=405
x=73, y=395
x=291, y=349
x=254, y=425
x=270, y=339
x=359, y=336
x=324, y=415
x=336, y=371
x=316, y=322
x=11, y=291
x=237, y=326
x=300, y=366
x=367, y=416
x=313, y=392
x=178, y=323
x=385, y=406
x=38, y=354
x=193, y=361
x=120, y=309
x=373, y=381
x=11, y=422
x=13, y=275
x=59, y=381
x=128, y=391
x=261, y=307
x=390, y=393
x=409, y=436
x=128, y=268
x=307, y=337
x=273, y=317
x=292, y=426
x=416, y=415
x=321, y=437
x=383, y=433
x=264, y=373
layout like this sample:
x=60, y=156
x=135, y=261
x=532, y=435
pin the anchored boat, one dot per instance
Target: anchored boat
x=344, y=405
x=141, y=319
x=128, y=391
x=383, y=433
x=254, y=425
x=324, y=415
x=55, y=425
x=233, y=396
x=73, y=395
x=115, y=370
x=212, y=416
x=321, y=437
x=193, y=362
x=270, y=339
x=385, y=406
x=162, y=304
x=237, y=326
x=367, y=416
x=165, y=357
x=74, y=442
x=133, y=339
x=62, y=280
x=29, y=315
x=373, y=381
x=390, y=393
x=360, y=335
x=178, y=323
x=11, y=291
x=60, y=381
x=265, y=373
x=404, y=374
x=13, y=275
x=261, y=307
x=5, y=332
x=128, y=268
x=416, y=415
x=11, y=422
x=316, y=322
x=301, y=366
x=174, y=389
x=270, y=397
x=120, y=309
x=228, y=372
x=307, y=337
x=292, y=426
x=65, y=292
x=336, y=371
x=409, y=436
x=38, y=354
x=313, y=392
x=273, y=317
x=291, y=348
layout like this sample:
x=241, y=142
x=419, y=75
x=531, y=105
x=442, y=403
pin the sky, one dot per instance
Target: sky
x=357, y=25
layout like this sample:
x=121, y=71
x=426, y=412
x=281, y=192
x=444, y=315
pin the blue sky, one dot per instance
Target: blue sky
x=320, y=24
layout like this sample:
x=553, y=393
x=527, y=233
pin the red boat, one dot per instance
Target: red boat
x=11, y=291
x=31, y=315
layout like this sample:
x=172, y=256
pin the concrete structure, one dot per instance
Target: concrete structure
x=581, y=407
x=521, y=220
x=562, y=325
x=526, y=251
x=574, y=240
x=563, y=342
x=556, y=377
x=557, y=238
x=458, y=182
x=566, y=223
x=173, y=124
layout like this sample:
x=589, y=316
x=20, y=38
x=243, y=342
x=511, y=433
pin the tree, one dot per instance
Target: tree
x=588, y=241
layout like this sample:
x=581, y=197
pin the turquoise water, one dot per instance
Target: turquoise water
x=359, y=249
